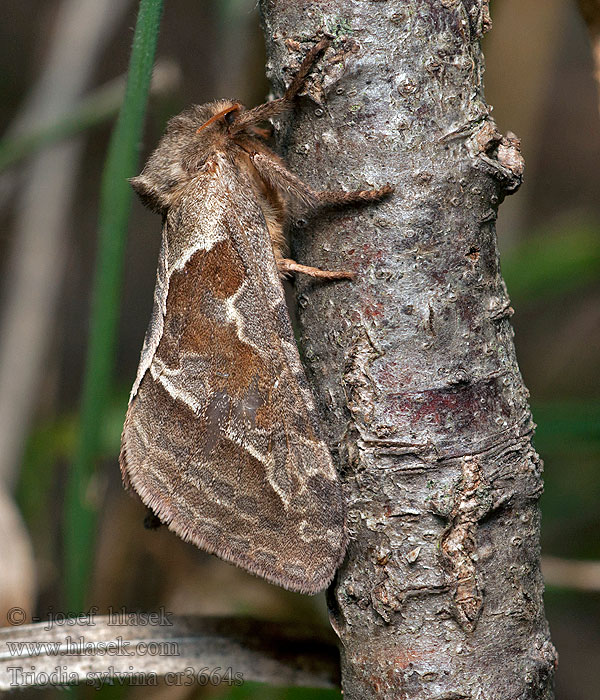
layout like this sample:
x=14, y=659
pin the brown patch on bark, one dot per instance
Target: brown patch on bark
x=458, y=546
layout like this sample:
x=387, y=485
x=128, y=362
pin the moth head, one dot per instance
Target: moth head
x=189, y=139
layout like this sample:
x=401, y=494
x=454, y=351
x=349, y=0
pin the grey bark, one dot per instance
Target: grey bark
x=440, y=595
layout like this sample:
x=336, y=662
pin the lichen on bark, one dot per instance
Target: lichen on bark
x=413, y=364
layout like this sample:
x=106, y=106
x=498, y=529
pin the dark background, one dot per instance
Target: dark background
x=539, y=79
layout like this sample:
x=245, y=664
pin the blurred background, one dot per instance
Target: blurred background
x=53, y=54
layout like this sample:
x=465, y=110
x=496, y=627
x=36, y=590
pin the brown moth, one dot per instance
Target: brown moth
x=221, y=439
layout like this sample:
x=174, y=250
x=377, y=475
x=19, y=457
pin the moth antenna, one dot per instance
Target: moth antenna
x=283, y=104
x=305, y=68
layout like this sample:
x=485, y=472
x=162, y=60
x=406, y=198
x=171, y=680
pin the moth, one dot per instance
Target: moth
x=221, y=439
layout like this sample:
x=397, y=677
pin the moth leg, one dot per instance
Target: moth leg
x=151, y=521
x=339, y=198
x=274, y=172
x=283, y=104
x=286, y=266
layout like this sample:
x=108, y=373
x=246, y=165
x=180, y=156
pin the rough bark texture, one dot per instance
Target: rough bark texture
x=414, y=366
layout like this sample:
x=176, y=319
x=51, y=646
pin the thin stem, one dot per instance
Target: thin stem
x=115, y=202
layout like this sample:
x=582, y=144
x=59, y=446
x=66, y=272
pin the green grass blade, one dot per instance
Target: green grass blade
x=115, y=203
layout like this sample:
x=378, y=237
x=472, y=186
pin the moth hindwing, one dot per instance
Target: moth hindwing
x=221, y=439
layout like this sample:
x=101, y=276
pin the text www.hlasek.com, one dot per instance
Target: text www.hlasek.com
x=77, y=646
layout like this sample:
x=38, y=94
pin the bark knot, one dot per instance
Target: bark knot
x=500, y=155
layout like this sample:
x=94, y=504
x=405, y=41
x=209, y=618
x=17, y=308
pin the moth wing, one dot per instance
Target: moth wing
x=221, y=438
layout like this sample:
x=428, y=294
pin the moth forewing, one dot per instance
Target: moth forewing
x=221, y=437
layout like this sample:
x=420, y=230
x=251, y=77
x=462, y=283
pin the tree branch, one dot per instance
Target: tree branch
x=101, y=649
x=590, y=10
x=571, y=573
x=425, y=410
